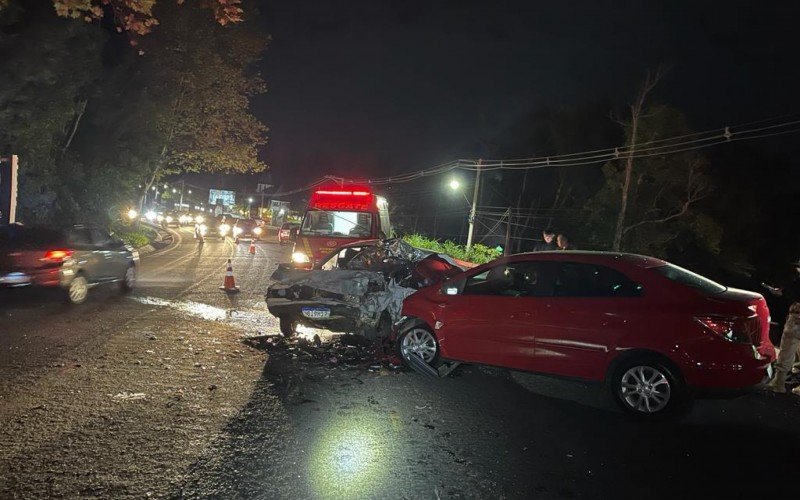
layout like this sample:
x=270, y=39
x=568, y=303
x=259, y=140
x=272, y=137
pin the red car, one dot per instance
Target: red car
x=657, y=334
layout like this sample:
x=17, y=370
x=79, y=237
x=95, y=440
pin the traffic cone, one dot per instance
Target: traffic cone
x=252, y=248
x=229, y=285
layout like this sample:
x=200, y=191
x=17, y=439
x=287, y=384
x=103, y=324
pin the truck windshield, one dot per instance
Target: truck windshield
x=341, y=224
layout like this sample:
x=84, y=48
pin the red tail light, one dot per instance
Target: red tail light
x=727, y=328
x=57, y=255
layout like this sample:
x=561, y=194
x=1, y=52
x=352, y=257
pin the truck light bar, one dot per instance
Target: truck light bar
x=345, y=193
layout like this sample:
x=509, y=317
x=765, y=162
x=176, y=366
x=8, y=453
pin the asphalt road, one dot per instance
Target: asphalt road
x=314, y=422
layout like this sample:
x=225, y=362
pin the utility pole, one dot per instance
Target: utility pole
x=507, y=244
x=183, y=184
x=472, y=211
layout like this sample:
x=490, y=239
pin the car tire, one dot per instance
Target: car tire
x=288, y=327
x=128, y=281
x=424, y=340
x=649, y=388
x=77, y=291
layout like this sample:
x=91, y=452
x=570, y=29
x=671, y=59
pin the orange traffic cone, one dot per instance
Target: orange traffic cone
x=229, y=285
x=252, y=248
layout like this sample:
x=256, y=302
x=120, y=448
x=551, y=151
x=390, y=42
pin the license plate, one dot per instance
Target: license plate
x=316, y=312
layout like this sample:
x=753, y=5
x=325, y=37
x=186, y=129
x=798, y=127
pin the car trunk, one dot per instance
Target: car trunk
x=24, y=249
x=751, y=318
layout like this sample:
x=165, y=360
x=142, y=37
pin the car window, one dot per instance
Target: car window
x=514, y=279
x=23, y=236
x=590, y=280
x=100, y=238
x=80, y=236
x=690, y=279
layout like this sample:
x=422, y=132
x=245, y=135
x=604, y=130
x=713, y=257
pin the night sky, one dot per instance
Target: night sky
x=373, y=87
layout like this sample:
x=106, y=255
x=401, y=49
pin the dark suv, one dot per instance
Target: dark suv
x=73, y=259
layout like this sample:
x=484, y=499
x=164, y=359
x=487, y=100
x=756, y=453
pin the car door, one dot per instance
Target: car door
x=589, y=312
x=88, y=257
x=492, y=318
x=114, y=253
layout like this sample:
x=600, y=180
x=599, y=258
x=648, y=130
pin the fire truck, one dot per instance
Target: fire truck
x=339, y=215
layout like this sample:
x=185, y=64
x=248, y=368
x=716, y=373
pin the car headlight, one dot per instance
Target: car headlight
x=169, y=218
x=160, y=218
x=151, y=216
x=237, y=230
x=223, y=229
x=203, y=229
x=199, y=219
x=300, y=258
x=257, y=230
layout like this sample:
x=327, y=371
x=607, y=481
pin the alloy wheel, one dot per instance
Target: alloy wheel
x=130, y=278
x=420, y=342
x=78, y=290
x=645, y=389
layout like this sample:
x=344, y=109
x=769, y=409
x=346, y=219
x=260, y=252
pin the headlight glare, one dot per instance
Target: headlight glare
x=300, y=258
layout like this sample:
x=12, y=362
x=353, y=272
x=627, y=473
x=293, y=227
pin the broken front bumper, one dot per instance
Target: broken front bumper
x=342, y=317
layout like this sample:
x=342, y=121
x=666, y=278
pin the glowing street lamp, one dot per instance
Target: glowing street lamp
x=454, y=184
x=132, y=214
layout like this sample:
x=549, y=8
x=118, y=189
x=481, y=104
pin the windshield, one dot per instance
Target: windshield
x=337, y=224
x=690, y=279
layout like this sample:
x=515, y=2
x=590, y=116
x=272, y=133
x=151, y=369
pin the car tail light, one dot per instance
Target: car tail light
x=728, y=328
x=57, y=255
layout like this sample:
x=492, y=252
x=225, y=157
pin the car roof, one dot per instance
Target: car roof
x=596, y=257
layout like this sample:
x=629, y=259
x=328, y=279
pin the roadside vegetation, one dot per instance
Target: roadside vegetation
x=478, y=254
x=136, y=237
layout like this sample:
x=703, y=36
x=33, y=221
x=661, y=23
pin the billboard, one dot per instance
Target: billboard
x=222, y=197
x=8, y=189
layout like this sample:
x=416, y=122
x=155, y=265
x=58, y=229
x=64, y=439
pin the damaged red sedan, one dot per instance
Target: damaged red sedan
x=657, y=334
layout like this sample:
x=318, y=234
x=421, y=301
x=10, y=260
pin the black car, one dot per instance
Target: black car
x=358, y=288
x=211, y=227
x=248, y=229
x=72, y=260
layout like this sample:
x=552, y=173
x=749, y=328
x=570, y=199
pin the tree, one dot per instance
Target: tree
x=136, y=16
x=658, y=196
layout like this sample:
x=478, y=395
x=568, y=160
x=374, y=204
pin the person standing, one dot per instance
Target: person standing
x=562, y=243
x=549, y=241
x=791, y=334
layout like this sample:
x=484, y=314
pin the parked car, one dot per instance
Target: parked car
x=287, y=232
x=357, y=288
x=247, y=229
x=73, y=260
x=657, y=334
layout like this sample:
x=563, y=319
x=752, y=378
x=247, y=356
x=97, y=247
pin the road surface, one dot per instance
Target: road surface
x=182, y=391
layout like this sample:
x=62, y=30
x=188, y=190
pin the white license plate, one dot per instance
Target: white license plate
x=15, y=279
x=316, y=312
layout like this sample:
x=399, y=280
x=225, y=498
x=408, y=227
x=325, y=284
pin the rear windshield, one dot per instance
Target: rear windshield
x=19, y=235
x=690, y=279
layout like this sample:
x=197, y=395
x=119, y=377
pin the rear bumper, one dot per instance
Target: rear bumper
x=730, y=369
x=48, y=277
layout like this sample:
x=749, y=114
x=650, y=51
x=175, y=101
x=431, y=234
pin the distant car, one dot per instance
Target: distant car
x=214, y=227
x=170, y=219
x=358, y=288
x=187, y=218
x=73, y=260
x=247, y=229
x=654, y=332
x=287, y=231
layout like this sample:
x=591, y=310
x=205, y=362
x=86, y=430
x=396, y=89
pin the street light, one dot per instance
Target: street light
x=174, y=190
x=455, y=185
x=132, y=214
x=165, y=186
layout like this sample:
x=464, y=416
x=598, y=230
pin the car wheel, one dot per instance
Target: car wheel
x=128, y=281
x=288, y=327
x=648, y=388
x=421, y=342
x=78, y=290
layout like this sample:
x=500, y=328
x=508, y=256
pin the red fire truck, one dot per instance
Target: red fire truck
x=338, y=215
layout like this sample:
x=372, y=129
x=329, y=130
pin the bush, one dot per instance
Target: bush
x=136, y=237
x=478, y=254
